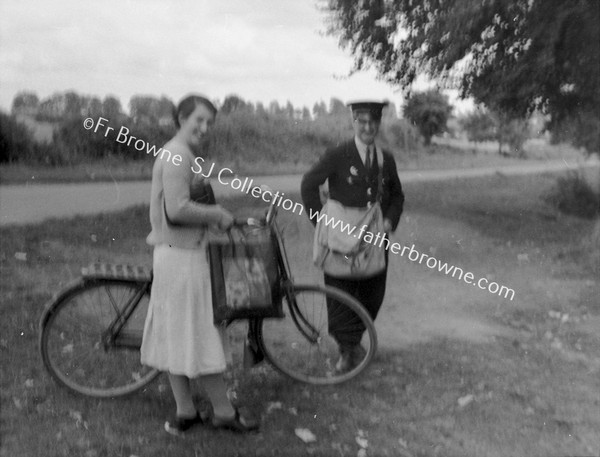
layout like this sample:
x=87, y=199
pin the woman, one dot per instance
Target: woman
x=179, y=334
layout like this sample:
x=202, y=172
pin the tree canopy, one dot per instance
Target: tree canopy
x=512, y=55
x=233, y=103
x=25, y=101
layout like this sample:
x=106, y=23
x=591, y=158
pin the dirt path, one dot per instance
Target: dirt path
x=22, y=204
x=503, y=238
x=423, y=304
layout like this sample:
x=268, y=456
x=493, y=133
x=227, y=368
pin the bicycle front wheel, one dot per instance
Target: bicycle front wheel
x=300, y=345
x=73, y=340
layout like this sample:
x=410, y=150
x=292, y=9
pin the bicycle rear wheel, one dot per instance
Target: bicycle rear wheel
x=300, y=346
x=72, y=341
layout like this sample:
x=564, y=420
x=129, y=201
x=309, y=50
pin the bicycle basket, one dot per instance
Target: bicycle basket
x=245, y=276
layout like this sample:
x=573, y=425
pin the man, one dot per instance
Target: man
x=351, y=170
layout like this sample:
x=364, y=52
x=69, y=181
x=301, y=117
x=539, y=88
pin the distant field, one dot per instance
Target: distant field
x=535, y=148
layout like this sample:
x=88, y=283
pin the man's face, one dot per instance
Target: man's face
x=365, y=127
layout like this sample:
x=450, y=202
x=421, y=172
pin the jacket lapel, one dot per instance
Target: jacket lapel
x=357, y=162
x=356, y=159
x=354, y=163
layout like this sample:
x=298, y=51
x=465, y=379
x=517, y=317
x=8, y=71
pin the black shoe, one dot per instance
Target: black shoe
x=344, y=363
x=350, y=358
x=358, y=354
x=178, y=425
x=242, y=423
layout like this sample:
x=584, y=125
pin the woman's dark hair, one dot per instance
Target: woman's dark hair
x=188, y=104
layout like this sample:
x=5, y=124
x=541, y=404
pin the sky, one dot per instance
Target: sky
x=260, y=50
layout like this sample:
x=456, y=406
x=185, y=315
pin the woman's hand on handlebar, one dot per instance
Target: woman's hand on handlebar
x=248, y=222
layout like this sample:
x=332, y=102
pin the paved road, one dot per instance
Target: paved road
x=21, y=204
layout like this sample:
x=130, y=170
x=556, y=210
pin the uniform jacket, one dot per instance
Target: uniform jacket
x=350, y=184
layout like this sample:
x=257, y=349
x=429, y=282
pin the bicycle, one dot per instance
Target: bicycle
x=91, y=332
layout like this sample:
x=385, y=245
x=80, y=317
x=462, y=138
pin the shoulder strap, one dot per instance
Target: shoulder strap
x=379, y=156
x=203, y=194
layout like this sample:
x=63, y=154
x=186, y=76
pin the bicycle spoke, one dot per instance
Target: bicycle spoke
x=301, y=346
x=73, y=346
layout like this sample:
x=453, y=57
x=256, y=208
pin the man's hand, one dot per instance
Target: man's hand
x=387, y=225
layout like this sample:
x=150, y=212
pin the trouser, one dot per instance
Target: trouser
x=344, y=324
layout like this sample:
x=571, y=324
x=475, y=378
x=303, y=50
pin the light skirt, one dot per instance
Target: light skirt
x=179, y=334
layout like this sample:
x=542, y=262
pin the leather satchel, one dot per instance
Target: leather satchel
x=346, y=255
x=202, y=192
x=339, y=245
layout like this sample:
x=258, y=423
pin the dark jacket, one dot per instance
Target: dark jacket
x=350, y=184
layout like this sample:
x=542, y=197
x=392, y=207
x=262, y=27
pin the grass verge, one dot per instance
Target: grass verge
x=444, y=154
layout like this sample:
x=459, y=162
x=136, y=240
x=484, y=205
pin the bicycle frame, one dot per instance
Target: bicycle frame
x=287, y=282
x=114, y=336
x=84, y=358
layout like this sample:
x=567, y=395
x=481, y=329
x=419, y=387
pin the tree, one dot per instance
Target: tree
x=25, y=102
x=289, y=110
x=165, y=111
x=513, y=132
x=15, y=139
x=52, y=108
x=479, y=125
x=232, y=103
x=92, y=107
x=390, y=113
x=484, y=125
x=337, y=107
x=274, y=108
x=111, y=108
x=319, y=109
x=73, y=104
x=513, y=56
x=429, y=112
x=260, y=109
x=144, y=109
x=404, y=136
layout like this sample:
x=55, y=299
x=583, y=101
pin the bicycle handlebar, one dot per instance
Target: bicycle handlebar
x=267, y=219
x=250, y=221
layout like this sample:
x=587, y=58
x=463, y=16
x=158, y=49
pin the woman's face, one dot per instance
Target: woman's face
x=195, y=127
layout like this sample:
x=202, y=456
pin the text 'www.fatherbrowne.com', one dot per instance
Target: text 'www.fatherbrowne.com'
x=227, y=177
x=381, y=240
